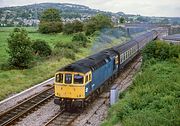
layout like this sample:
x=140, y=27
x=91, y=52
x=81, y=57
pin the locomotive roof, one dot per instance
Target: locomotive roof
x=92, y=62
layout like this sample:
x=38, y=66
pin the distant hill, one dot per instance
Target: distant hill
x=29, y=15
x=68, y=11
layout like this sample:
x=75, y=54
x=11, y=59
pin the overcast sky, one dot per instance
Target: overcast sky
x=144, y=7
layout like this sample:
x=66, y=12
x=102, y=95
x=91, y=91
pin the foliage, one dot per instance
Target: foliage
x=80, y=39
x=68, y=28
x=160, y=50
x=19, y=49
x=96, y=23
x=17, y=80
x=50, y=21
x=41, y=48
x=122, y=20
x=50, y=27
x=77, y=26
x=153, y=99
x=67, y=50
x=74, y=27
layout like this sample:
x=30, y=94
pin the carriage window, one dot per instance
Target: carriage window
x=59, y=78
x=78, y=79
x=68, y=78
x=124, y=56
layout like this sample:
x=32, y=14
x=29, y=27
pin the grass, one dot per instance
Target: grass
x=152, y=100
x=14, y=81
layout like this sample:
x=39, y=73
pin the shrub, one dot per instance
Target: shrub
x=19, y=49
x=80, y=39
x=96, y=23
x=160, y=50
x=74, y=27
x=50, y=27
x=68, y=28
x=41, y=48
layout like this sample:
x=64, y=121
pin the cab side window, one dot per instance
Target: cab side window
x=68, y=78
x=59, y=78
x=86, y=78
x=90, y=77
x=78, y=79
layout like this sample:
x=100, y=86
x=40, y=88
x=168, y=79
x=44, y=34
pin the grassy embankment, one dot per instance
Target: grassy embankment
x=13, y=81
x=153, y=99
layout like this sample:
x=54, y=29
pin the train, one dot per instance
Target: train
x=77, y=82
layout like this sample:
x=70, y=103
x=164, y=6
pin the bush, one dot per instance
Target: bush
x=50, y=27
x=97, y=23
x=74, y=27
x=152, y=100
x=80, y=39
x=41, y=48
x=68, y=28
x=19, y=49
x=160, y=50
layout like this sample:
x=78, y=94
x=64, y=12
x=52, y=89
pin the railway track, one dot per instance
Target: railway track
x=63, y=118
x=14, y=114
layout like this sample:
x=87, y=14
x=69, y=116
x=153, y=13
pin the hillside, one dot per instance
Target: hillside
x=31, y=13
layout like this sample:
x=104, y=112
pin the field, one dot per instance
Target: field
x=13, y=81
x=152, y=100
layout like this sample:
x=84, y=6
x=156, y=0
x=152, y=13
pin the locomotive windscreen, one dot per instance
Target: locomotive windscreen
x=68, y=78
x=78, y=79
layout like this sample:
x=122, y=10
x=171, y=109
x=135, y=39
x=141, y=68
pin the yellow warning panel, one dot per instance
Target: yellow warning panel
x=69, y=91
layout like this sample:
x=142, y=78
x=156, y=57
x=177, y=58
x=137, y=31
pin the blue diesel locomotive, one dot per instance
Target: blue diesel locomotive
x=80, y=80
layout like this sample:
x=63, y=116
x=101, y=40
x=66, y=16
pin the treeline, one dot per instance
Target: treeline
x=50, y=22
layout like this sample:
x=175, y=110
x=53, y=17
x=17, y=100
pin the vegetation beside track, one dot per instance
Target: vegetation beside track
x=153, y=98
x=15, y=80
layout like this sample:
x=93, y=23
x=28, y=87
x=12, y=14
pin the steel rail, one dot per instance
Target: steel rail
x=13, y=114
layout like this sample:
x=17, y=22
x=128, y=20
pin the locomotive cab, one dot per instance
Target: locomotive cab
x=71, y=85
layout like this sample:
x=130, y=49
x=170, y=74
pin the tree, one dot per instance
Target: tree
x=41, y=48
x=77, y=26
x=19, y=49
x=80, y=39
x=74, y=27
x=68, y=28
x=96, y=23
x=50, y=21
x=122, y=20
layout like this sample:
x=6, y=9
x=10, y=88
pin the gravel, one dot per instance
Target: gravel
x=95, y=114
x=39, y=117
x=17, y=98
